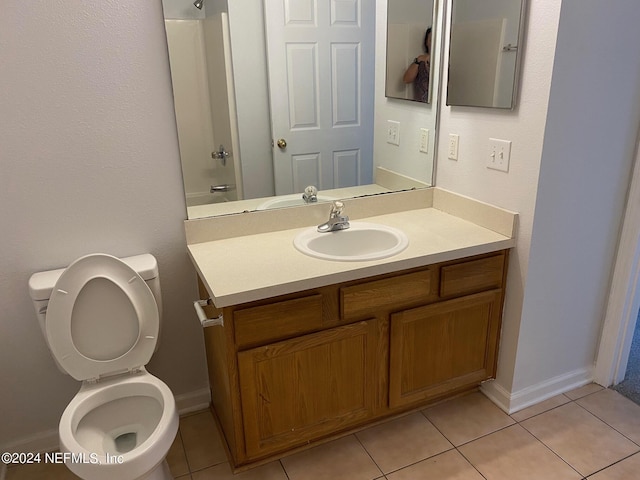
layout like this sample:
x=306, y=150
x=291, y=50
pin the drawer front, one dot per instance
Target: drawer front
x=393, y=293
x=266, y=323
x=472, y=276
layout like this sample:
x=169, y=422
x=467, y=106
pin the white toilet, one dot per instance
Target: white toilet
x=101, y=319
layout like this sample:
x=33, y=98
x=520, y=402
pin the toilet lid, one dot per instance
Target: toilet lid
x=102, y=318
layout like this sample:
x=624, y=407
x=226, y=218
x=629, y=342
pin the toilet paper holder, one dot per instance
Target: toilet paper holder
x=202, y=316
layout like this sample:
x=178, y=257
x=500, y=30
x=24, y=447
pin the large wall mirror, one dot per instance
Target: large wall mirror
x=274, y=95
x=410, y=32
x=484, y=52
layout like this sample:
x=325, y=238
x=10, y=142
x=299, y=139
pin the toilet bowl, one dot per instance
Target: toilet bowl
x=101, y=320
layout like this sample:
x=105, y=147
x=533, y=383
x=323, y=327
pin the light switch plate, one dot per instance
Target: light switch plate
x=393, y=132
x=499, y=154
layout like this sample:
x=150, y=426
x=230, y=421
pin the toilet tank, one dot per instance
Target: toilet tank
x=41, y=285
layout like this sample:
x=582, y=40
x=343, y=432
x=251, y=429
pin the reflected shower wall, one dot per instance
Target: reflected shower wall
x=196, y=55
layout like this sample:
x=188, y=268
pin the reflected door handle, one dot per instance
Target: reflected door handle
x=282, y=144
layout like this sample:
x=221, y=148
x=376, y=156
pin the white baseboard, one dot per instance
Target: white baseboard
x=48, y=441
x=193, y=401
x=516, y=401
x=40, y=442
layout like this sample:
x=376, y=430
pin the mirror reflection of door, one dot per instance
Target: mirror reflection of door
x=321, y=79
x=409, y=66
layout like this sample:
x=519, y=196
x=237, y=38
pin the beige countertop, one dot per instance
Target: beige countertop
x=255, y=266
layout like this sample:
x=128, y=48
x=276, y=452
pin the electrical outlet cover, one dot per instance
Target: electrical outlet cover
x=453, y=146
x=424, y=140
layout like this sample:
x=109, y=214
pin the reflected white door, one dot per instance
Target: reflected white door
x=321, y=83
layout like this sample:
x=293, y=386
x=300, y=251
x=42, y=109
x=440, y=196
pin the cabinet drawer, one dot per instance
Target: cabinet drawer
x=401, y=291
x=258, y=325
x=472, y=276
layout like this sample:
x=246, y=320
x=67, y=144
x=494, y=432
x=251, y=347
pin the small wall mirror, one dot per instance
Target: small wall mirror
x=409, y=73
x=484, y=52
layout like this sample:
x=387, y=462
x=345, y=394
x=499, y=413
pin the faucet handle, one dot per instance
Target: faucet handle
x=337, y=207
x=310, y=194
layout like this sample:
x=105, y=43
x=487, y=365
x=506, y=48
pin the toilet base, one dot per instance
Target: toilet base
x=161, y=472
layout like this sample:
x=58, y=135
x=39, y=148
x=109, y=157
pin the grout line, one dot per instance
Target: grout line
x=603, y=421
x=420, y=461
x=469, y=462
x=615, y=463
x=184, y=451
x=545, y=411
x=284, y=469
x=370, y=456
x=549, y=448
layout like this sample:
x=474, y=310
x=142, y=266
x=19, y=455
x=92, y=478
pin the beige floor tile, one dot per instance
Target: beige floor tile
x=627, y=469
x=446, y=466
x=40, y=471
x=539, y=408
x=202, y=443
x=177, y=459
x=582, y=391
x=583, y=441
x=403, y=441
x=615, y=410
x=270, y=471
x=466, y=418
x=184, y=477
x=515, y=454
x=342, y=459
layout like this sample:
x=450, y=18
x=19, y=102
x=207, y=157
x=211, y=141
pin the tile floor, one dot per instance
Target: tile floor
x=589, y=433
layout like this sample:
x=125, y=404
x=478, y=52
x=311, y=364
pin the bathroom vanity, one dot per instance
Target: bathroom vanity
x=311, y=348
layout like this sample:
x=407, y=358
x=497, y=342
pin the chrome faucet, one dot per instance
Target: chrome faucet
x=337, y=221
x=310, y=194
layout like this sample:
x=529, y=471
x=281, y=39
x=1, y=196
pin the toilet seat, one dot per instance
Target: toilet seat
x=92, y=333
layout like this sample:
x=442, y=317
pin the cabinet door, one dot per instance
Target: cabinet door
x=443, y=347
x=301, y=389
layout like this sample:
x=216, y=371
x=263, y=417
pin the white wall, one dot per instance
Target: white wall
x=190, y=81
x=517, y=189
x=589, y=143
x=89, y=163
x=573, y=139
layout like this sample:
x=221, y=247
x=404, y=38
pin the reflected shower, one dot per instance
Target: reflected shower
x=198, y=4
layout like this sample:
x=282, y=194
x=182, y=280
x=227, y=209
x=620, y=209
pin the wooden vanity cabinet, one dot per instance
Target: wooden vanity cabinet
x=308, y=387
x=301, y=367
x=443, y=347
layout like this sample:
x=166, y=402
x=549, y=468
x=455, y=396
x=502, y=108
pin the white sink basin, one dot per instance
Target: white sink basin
x=293, y=200
x=362, y=241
